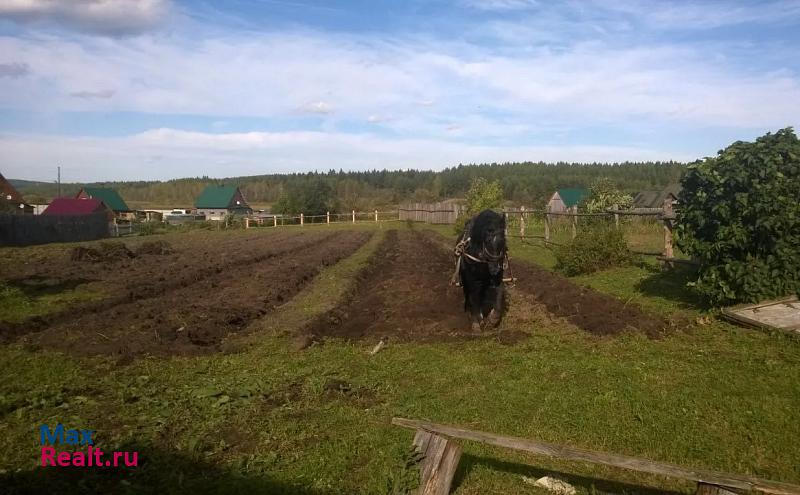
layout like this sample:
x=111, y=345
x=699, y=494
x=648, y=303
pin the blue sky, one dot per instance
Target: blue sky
x=157, y=89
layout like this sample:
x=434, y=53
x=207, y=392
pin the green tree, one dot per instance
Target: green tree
x=483, y=195
x=605, y=195
x=310, y=197
x=740, y=217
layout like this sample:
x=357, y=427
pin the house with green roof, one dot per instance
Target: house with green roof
x=218, y=201
x=566, y=200
x=111, y=198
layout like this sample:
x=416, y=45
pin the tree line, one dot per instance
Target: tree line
x=530, y=183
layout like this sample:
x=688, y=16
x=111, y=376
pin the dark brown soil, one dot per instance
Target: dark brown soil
x=105, y=251
x=200, y=255
x=592, y=311
x=589, y=310
x=154, y=247
x=187, y=302
x=403, y=295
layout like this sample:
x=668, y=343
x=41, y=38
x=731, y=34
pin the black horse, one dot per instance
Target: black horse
x=480, y=261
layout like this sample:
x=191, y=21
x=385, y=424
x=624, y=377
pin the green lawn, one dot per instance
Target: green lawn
x=267, y=418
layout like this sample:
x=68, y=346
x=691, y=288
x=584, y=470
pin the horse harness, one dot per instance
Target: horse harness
x=460, y=252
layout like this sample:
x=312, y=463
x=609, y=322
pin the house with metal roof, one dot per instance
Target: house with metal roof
x=652, y=200
x=11, y=200
x=111, y=198
x=75, y=206
x=566, y=200
x=218, y=201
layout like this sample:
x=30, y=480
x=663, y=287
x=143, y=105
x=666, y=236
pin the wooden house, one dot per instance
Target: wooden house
x=654, y=200
x=566, y=200
x=11, y=200
x=111, y=198
x=218, y=201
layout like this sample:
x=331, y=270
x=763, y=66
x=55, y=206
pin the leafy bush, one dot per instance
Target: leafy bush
x=596, y=247
x=482, y=195
x=605, y=195
x=740, y=217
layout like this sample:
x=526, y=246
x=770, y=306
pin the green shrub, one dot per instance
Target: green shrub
x=605, y=195
x=482, y=195
x=596, y=247
x=740, y=217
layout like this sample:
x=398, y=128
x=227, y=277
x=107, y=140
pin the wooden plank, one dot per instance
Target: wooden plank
x=740, y=314
x=438, y=467
x=708, y=489
x=621, y=461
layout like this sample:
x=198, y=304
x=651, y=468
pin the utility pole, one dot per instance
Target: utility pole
x=59, y=181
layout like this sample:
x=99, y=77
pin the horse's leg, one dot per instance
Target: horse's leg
x=465, y=289
x=474, y=303
x=497, y=304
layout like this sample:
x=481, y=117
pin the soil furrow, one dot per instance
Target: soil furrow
x=195, y=319
x=148, y=277
x=403, y=295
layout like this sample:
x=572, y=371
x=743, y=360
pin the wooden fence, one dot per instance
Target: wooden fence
x=437, y=213
x=665, y=215
x=302, y=219
x=26, y=230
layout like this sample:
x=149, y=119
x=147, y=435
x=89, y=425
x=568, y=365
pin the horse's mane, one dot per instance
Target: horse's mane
x=482, y=222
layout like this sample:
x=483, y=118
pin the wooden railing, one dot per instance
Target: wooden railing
x=442, y=453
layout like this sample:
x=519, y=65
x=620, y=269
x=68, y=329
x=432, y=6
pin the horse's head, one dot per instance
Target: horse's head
x=489, y=239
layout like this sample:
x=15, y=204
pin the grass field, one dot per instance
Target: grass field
x=265, y=416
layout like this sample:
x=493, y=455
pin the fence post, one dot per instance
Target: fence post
x=505, y=221
x=327, y=217
x=274, y=220
x=354, y=216
x=616, y=217
x=522, y=221
x=246, y=223
x=376, y=215
x=667, y=217
x=546, y=226
x=301, y=219
x=574, y=224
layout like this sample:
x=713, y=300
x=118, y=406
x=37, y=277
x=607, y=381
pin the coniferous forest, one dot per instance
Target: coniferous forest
x=529, y=183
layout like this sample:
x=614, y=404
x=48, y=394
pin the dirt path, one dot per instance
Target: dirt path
x=188, y=305
x=403, y=295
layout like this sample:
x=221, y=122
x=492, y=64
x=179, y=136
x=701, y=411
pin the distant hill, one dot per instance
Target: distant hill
x=529, y=183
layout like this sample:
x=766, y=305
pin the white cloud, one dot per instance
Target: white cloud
x=169, y=153
x=443, y=100
x=317, y=107
x=114, y=17
x=272, y=75
x=102, y=94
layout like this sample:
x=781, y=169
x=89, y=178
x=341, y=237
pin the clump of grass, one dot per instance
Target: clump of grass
x=17, y=305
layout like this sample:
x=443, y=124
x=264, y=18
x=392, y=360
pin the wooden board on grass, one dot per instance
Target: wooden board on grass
x=780, y=314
